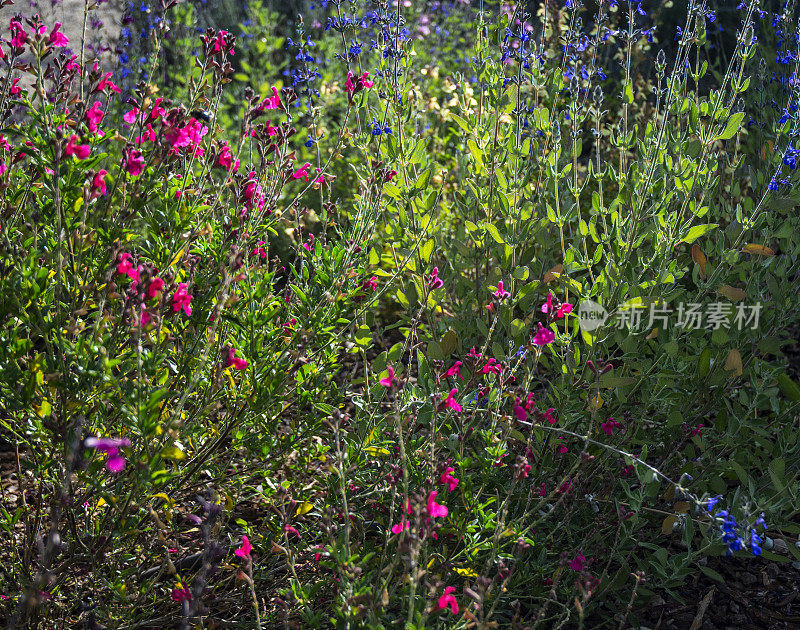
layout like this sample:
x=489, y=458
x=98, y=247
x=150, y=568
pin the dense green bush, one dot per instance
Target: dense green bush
x=295, y=329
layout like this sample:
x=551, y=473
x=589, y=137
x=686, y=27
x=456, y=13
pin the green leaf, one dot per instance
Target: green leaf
x=704, y=363
x=712, y=574
x=493, y=231
x=476, y=153
x=698, y=230
x=363, y=336
x=628, y=92
x=427, y=250
x=777, y=468
x=734, y=122
x=788, y=387
x=172, y=452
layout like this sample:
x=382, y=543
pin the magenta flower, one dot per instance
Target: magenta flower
x=148, y=135
x=94, y=116
x=245, y=549
x=125, y=268
x=451, y=402
x=131, y=116
x=80, y=151
x=18, y=34
x=549, y=415
x=387, y=381
x=520, y=412
x=474, y=354
x=236, y=362
x=181, y=300
x=181, y=594
x=456, y=369
x=134, y=163
x=435, y=510
x=577, y=562
x=271, y=102
x=501, y=293
x=98, y=187
x=110, y=446
x=226, y=159
x=57, y=38
x=492, y=366
x=698, y=431
x=563, y=310
x=302, y=172
x=609, y=426
x=548, y=305
x=106, y=82
x=291, y=530
x=448, y=600
x=434, y=281
x=259, y=250
x=403, y=524
x=447, y=478
x=543, y=336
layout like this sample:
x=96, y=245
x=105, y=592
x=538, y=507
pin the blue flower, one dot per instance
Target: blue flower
x=755, y=542
x=713, y=501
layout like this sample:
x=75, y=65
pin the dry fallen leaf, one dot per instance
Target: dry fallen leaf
x=553, y=274
x=734, y=362
x=700, y=258
x=760, y=250
x=732, y=293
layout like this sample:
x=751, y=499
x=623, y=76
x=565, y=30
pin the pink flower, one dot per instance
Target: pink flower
x=302, y=172
x=106, y=83
x=148, y=135
x=492, y=366
x=435, y=510
x=181, y=595
x=563, y=310
x=131, y=116
x=134, y=163
x=609, y=426
x=309, y=245
x=548, y=305
x=271, y=102
x=403, y=524
x=124, y=267
x=181, y=300
x=58, y=39
x=365, y=81
x=291, y=530
x=501, y=293
x=110, y=446
x=372, y=283
x=99, y=183
x=698, y=431
x=473, y=354
x=549, y=415
x=95, y=116
x=259, y=250
x=456, y=369
x=542, y=491
x=448, y=479
x=448, y=600
x=434, y=281
x=245, y=549
x=520, y=412
x=80, y=151
x=3, y=167
x=577, y=562
x=543, y=336
x=451, y=402
x=387, y=381
x=156, y=111
x=18, y=34
x=14, y=89
x=236, y=362
x=226, y=159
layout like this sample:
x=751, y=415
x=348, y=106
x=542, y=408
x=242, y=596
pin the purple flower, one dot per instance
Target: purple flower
x=110, y=446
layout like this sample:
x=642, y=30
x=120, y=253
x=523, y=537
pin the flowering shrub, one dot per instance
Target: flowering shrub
x=410, y=332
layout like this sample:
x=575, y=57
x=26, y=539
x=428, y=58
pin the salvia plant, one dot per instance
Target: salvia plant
x=421, y=314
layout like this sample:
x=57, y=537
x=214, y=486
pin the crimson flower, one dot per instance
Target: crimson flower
x=181, y=300
x=448, y=479
x=501, y=293
x=451, y=402
x=387, y=381
x=109, y=446
x=80, y=151
x=543, y=336
x=245, y=549
x=448, y=600
x=435, y=510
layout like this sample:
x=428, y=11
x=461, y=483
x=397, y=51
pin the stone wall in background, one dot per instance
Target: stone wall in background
x=102, y=25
